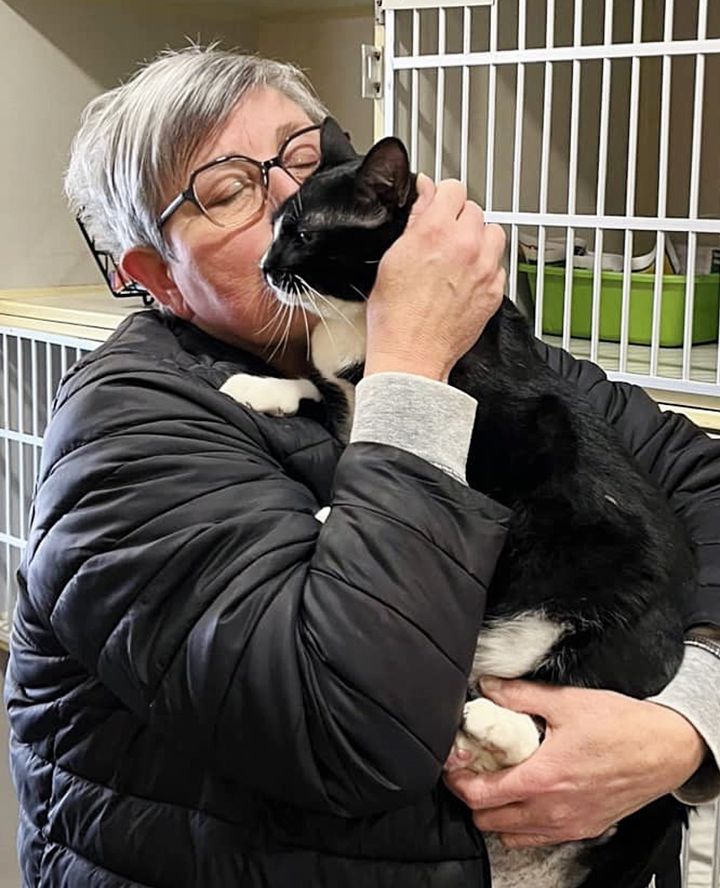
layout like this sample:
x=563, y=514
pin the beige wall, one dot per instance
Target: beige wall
x=54, y=57
x=327, y=45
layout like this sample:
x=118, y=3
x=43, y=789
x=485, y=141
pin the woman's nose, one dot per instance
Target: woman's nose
x=281, y=185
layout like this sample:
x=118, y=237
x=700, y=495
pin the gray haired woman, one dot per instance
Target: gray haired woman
x=209, y=685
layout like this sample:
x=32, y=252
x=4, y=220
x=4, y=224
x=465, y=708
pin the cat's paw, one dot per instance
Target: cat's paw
x=265, y=394
x=492, y=738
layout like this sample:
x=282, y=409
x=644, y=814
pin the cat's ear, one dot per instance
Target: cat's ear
x=385, y=173
x=335, y=146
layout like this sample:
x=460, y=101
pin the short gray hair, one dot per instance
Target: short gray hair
x=136, y=141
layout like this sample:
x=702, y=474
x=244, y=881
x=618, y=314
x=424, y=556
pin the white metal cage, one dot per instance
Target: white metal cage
x=580, y=126
x=584, y=127
x=32, y=364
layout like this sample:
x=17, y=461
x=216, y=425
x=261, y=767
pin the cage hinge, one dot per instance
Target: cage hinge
x=372, y=72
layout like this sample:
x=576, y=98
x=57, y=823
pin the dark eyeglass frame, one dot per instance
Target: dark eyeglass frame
x=106, y=263
x=263, y=165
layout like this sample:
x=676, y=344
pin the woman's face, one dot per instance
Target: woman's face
x=220, y=287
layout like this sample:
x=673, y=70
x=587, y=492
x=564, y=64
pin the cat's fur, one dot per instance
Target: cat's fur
x=595, y=561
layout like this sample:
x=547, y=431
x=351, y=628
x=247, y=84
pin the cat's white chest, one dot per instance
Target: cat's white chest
x=339, y=342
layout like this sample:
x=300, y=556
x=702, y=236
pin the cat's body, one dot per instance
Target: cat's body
x=583, y=593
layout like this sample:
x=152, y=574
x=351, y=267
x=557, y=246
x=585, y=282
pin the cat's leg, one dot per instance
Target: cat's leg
x=265, y=394
x=507, y=647
x=495, y=737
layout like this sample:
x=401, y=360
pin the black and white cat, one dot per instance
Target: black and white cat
x=586, y=587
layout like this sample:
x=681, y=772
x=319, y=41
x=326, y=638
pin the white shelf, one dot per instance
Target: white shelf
x=79, y=312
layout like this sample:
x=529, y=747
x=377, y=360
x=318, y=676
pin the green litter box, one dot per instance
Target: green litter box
x=672, y=315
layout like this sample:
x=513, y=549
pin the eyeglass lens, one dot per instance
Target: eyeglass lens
x=232, y=192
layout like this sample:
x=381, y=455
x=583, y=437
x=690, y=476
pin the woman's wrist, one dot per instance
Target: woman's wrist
x=686, y=748
x=399, y=362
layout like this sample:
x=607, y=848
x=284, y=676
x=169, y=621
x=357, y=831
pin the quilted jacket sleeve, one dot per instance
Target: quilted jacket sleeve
x=682, y=460
x=176, y=560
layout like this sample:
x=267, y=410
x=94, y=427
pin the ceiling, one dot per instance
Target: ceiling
x=260, y=9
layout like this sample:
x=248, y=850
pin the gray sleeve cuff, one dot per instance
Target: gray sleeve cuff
x=694, y=693
x=430, y=419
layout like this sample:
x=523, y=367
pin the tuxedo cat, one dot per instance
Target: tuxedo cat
x=586, y=588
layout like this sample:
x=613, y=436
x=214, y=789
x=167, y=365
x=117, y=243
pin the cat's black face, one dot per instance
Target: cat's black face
x=330, y=236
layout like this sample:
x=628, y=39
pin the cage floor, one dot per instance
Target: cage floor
x=703, y=359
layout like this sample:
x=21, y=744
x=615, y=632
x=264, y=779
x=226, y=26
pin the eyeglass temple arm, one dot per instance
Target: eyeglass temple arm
x=170, y=209
x=104, y=260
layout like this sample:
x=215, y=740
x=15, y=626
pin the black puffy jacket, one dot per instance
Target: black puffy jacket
x=208, y=687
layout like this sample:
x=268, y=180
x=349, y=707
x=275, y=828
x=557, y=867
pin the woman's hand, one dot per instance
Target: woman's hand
x=437, y=286
x=603, y=757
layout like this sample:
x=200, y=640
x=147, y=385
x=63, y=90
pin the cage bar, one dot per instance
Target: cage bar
x=492, y=100
x=465, y=100
x=6, y=466
x=415, y=92
x=584, y=52
x=21, y=445
x=440, y=98
x=601, y=184
x=517, y=157
x=694, y=197
x=662, y=191
x=634, y=118
x=572, y=177
x=544, y=166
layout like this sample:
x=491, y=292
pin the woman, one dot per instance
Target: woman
x=209, y=685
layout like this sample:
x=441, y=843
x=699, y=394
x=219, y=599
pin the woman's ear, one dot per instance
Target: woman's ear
x=147, y=267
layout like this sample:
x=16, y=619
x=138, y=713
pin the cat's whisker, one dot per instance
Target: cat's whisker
x=295, y=303
x=281, y=318
x=282, y=342
x=311, y=290
x=273, y=320
x=310, y=294
x=307, y=326
x=286, y=332
x=268, y=354
x=371, y=261
x=276, y=320
x=359, y=292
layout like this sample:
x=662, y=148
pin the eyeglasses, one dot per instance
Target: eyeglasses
x=120, y=286
x=231, y=191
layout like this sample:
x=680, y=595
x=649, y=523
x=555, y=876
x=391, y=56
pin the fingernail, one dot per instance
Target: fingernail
x=462, y=754
x=488, y=684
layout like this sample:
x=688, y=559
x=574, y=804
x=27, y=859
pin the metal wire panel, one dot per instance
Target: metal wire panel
x=582, y=123
x=581, y=127
x=31, y=366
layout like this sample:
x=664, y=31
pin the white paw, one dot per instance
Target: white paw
x=496, y=737
x=323, y=514
x=275, y=397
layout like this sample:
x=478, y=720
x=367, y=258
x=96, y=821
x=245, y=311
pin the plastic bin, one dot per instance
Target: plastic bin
x=706, y=305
